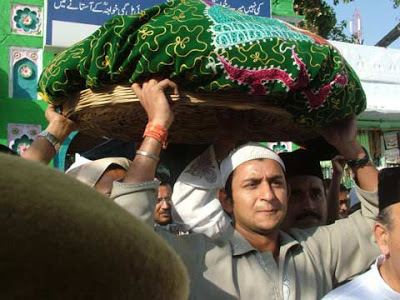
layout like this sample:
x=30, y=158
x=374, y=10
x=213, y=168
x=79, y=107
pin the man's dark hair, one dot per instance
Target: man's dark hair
x=385, y=217
x=164, y=183
x=228, y=186
x=112, y=167
x=343, y=188
x=164, y=178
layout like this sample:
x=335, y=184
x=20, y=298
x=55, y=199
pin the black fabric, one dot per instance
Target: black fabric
x=164, y=174
x=320, y=148
x=5, y=149
x=301, y=162
x=173, y=160
x=389, y=187
x=111, y=148
x=177, y=156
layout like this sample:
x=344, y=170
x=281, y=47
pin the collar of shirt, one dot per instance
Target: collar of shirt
x=173, y=228
x=387, y=291
x=241, y=246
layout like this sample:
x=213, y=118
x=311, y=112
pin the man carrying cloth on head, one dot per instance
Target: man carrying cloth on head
x=253, y=258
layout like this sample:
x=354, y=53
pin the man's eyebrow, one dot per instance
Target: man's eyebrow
x=252, y=178
x=276, y=177
x=259, y=178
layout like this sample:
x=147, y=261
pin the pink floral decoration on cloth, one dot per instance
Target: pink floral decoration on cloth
x=257, y=78
x=209, y=2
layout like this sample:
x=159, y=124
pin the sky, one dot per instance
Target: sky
x=378, y=17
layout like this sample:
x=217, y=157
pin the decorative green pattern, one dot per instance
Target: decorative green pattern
x=206, y=47
x=232, y=28
x=26, y=19
x=22, y=144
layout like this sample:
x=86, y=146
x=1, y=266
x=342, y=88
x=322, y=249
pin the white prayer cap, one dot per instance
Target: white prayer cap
x=89, y=172
x=79, y=161
x=245, y=153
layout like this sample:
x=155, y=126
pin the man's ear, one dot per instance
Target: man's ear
x=226, y=202
x=381, y=236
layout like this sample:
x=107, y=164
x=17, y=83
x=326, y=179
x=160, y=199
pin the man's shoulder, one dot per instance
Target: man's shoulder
x=361, y=287
x=302, y=235
x=322, y=231
x=189, y=241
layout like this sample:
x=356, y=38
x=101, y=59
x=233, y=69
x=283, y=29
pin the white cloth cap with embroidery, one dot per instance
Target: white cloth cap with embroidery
x=245, y=153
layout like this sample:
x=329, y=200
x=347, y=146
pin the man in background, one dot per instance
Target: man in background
x=382, y=281
x=344, y=202
x=307, y=200
x=162, y=210
x=310, y=203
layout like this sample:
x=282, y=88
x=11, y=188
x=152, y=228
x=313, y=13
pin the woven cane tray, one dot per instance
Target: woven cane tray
x=117, y=113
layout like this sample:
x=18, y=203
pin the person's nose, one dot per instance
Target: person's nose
x=266, y=191
x=165, y=204
x=308, y=202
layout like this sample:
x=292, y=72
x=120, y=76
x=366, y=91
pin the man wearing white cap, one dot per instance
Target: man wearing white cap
x=98, y=174
x=254, y=259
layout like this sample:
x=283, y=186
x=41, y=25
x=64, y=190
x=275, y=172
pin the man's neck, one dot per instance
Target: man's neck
x=262, y=242
x=389, y=275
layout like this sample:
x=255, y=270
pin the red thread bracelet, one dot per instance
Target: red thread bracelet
x=157, y=132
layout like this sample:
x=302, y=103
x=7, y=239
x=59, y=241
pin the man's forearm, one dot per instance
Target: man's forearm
x=144, y=167
x=142, y=171
x=42, y=149
x=343, y=136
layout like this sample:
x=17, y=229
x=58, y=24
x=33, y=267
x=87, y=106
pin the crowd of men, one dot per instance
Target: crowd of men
x=249, y=223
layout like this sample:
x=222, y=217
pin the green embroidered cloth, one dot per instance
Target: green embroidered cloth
x=209, y=48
